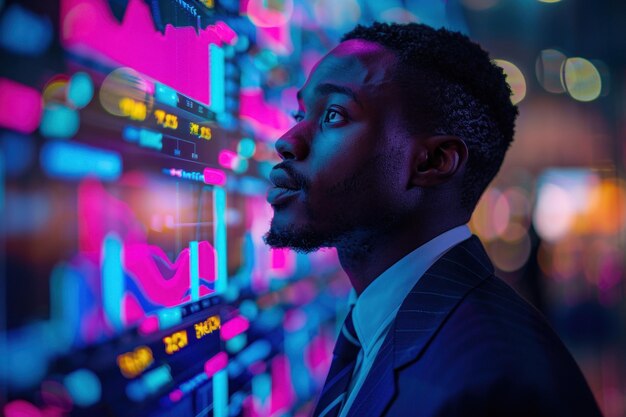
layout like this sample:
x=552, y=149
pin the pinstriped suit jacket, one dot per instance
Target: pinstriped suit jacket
x=465, y=344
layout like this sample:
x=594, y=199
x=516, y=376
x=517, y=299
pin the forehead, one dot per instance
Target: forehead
x=361, y=65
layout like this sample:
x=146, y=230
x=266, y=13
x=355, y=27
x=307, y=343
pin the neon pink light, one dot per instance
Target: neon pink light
x=161, y=281
x=149, y=325
x=21, y=408
x=214, y=176
x=283, y=262
x=146, y=264
x=178, y=58
x=283, y=395
x=234, y=327
x=227, y=159
x=267, y=121
x=176, y=395
x=20, y=106
x=215, y=364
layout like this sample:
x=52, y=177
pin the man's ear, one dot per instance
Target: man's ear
x=436, y=160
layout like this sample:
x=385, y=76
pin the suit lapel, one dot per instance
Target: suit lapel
x=422, y=312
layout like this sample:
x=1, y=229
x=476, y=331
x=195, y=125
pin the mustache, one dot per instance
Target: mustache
x=300, y=180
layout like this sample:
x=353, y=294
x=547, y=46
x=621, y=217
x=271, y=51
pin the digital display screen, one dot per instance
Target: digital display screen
x=136, y=140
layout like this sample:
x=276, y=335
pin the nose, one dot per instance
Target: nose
x=292, y=145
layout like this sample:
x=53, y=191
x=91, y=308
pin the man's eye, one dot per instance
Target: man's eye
x=333, y=116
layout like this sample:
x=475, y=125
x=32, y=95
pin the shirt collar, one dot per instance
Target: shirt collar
x=377, y=305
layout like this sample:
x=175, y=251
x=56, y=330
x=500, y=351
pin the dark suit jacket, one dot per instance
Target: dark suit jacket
x=465, y=344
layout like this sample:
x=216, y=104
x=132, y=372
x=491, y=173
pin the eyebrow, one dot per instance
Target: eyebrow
x=328, y=88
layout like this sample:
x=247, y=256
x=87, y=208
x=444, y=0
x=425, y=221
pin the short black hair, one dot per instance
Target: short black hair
x=451, y=87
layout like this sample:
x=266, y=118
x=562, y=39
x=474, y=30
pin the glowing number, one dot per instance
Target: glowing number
x=205, y=133
x=207, y=327
x=175, y=342
x=134, y=363
x=166, y=120
x=136, y=110
x=160, y=116
x=171, y=121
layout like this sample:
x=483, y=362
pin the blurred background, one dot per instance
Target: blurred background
x=136, y=138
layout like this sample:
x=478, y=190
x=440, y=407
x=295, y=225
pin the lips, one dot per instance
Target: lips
x=281, y=179
x=284, y=188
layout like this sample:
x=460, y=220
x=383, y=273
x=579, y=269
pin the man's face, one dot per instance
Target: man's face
x=345, y=164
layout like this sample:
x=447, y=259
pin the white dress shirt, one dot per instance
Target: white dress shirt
x=377, y=306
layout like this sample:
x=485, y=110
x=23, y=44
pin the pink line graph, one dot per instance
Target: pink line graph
x=178, y=58
x=160, y=281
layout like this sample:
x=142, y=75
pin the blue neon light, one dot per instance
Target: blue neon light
x=219, y=214
x=216, y=65
x=166, y=95
x=220, y=394
x=84, y=387
x=112, y=280
x=194, y=271
x=74, y=161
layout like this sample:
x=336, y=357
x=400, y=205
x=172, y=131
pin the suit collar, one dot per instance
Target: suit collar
x=421, y=314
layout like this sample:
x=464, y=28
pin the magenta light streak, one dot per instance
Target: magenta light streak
x=21, y=408
x=149, y=325
x=176, y=395
x=283, y=262
x=214, y=176
x=282, y=395
x=178, y=58
x=216, y=363
x=234, y=327
x=227, y=159
x=20, y=106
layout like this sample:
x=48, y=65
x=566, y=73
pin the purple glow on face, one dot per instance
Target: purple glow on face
x=227, y=159
x=214, y=176
x=215, y=364
x=89, y=26
x=20, y=106
x=234, y=327
x=21, y=408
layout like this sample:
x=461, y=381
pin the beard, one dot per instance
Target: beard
x=345, y=220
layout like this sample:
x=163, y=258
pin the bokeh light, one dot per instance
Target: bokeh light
x=80, y=89
x=554, y=212
x=515, y=78
x=581, y=79
x=124, y=84
x=510, y=256
x=548, y=70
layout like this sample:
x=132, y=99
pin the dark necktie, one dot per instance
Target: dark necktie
x=341, y=368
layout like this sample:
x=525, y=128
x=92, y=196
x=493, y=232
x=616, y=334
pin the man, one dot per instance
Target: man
x=399, y=130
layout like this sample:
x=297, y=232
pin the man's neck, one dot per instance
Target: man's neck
x=364, y=256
